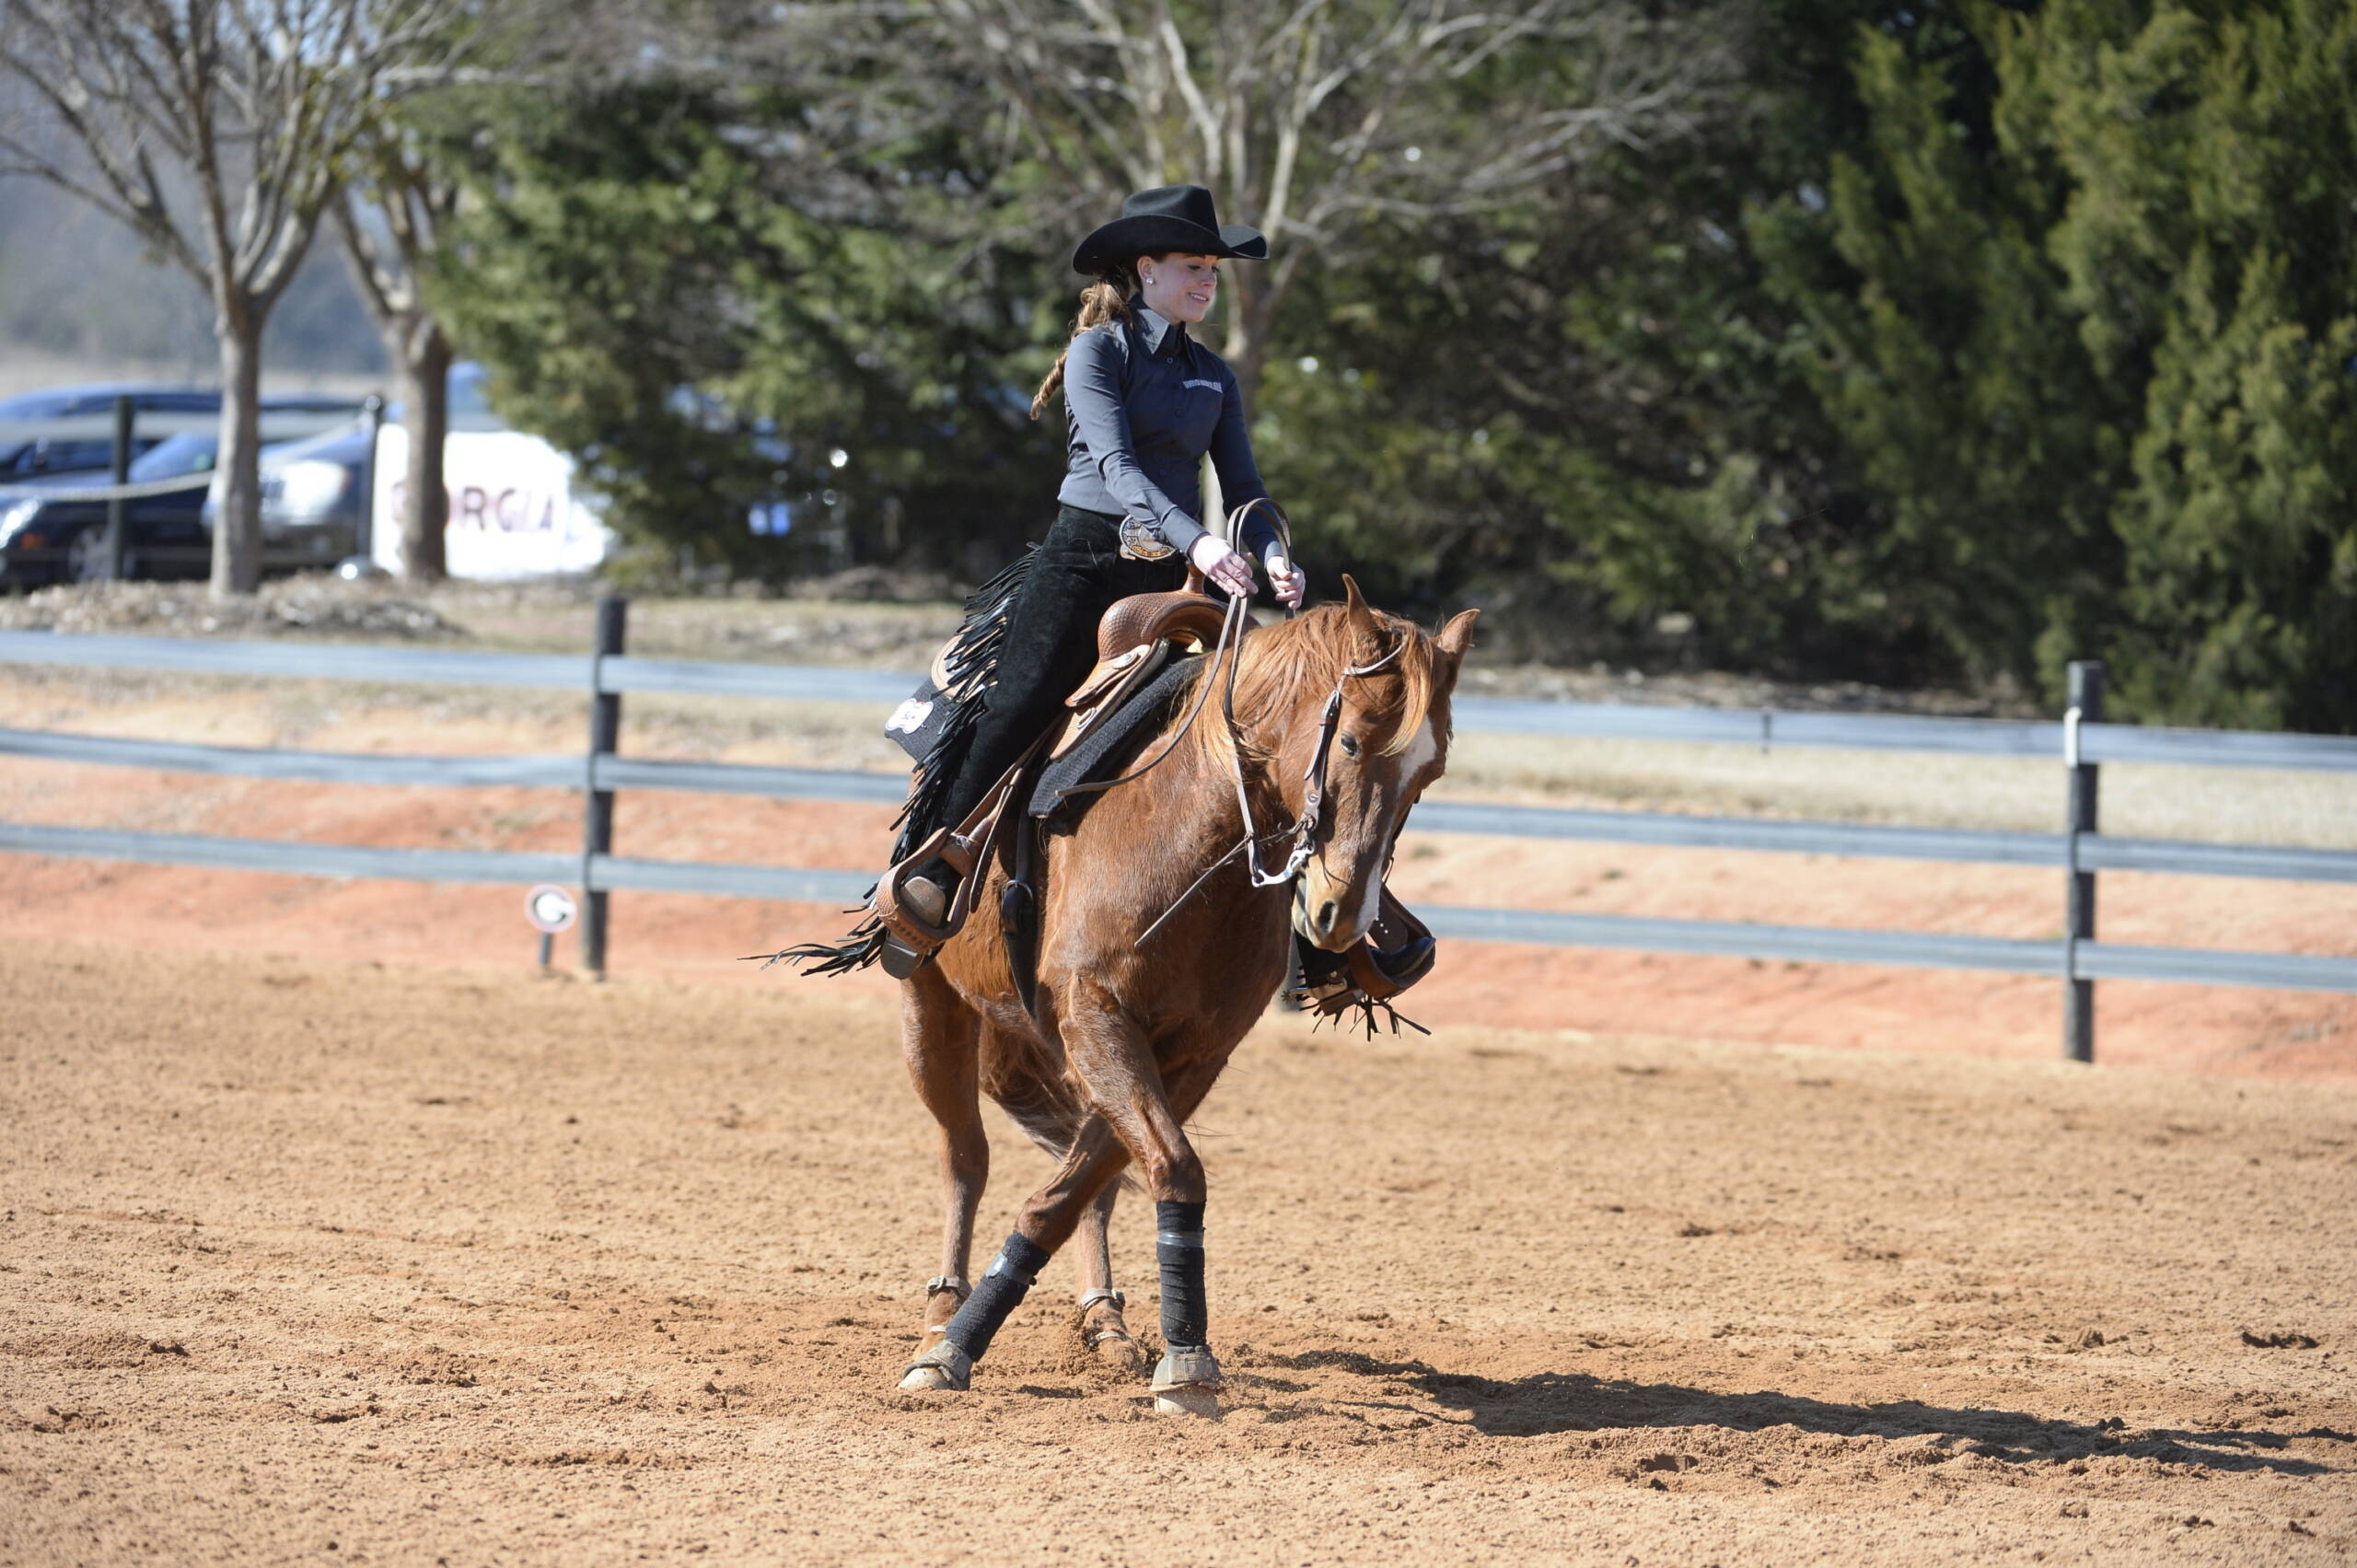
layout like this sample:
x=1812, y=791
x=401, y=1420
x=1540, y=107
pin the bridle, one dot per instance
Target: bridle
x=1312, y=818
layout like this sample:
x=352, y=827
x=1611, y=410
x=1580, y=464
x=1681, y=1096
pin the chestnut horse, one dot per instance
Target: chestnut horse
x=1131, y=1037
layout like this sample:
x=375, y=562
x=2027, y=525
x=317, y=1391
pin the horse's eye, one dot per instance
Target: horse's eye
x=1349, y=746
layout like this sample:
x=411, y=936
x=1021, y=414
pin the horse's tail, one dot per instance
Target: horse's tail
x=1043, y=1112
x=1032, y=1087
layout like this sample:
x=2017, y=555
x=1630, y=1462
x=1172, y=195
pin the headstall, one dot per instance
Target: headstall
x=1305, y=827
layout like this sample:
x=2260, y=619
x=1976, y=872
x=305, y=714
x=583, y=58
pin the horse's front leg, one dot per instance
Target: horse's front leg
x=1147, y=1108
x=1102, y=1326
x=1186, y=1379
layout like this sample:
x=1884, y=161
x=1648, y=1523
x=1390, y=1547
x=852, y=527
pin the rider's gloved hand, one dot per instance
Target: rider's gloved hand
x=1285, y=579
x=1215, y=560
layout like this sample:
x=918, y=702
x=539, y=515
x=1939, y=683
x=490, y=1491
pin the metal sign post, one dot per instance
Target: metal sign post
x=550, y=909
x=2085, y=692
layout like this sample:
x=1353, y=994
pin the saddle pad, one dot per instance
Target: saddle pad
x=1108, y=747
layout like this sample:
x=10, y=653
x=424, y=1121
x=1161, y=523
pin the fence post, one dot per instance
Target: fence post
x=364, y=537
x=118, y=518
x=2086, y=693
x=597, y=804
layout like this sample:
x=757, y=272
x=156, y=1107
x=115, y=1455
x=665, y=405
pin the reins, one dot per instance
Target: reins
x=1312, y=807
x=1313, y=798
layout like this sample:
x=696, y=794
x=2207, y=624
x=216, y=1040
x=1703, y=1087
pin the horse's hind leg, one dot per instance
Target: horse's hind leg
x=1101, y=1323
x=938, y=1036
x=1047, y=1222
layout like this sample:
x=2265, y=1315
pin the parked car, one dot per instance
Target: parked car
x=28, y=454
x=313, y=498
x=310, y=513
x=317, y=494
x=62, y=538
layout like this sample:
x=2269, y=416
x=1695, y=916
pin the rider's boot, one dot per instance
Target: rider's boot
x=927, y=890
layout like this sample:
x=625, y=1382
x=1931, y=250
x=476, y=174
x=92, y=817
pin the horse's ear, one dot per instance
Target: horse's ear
x=1450, y=646
x=1458, y=635
x=1354, y=603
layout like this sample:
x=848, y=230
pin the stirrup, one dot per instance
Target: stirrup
x=901, y=923
x=967, y=851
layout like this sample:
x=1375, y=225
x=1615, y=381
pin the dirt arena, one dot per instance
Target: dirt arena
x=347, y=1263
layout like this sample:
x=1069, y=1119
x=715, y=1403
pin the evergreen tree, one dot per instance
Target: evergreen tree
x=1943, y=352
x=2080, y=311
x=2211, y=248
x=671, y=284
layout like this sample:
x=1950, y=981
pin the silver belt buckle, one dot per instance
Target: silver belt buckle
x=1139, y=542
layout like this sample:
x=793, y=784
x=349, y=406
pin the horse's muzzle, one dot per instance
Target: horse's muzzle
x=1325, y=913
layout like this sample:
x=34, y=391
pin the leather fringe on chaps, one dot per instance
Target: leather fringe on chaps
x=972, y=665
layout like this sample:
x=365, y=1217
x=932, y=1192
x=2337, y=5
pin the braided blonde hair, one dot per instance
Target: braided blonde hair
x=1107, y=299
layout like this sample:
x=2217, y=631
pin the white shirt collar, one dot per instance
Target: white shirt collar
x=1152, y=325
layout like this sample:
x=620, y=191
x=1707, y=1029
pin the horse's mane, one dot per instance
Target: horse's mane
x=1298, y=661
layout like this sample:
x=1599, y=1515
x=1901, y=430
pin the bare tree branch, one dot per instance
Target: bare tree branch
x=259, y=102
x=1311, y=118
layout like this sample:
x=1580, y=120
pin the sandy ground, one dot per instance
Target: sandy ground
x=321, y=1261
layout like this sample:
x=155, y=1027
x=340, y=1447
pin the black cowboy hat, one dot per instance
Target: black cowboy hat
x=1168, y=218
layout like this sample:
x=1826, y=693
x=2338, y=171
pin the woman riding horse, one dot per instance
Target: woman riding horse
x=1331, y=725
x=1143, y=403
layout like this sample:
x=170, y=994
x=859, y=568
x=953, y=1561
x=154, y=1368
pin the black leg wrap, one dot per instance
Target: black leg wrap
x=1179, y=1249
x=998, y=1292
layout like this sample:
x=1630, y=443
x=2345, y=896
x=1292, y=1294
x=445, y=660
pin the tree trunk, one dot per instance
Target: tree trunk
x=1244, y=341
x=236, y=526
x=423, y=356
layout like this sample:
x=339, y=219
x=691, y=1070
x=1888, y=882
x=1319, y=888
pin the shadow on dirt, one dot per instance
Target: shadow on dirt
x=1552, y=1402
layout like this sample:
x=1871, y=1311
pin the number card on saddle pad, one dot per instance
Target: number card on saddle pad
x=918, y=723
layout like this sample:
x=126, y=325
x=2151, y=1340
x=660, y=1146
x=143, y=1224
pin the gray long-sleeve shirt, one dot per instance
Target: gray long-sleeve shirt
x=1143, y=404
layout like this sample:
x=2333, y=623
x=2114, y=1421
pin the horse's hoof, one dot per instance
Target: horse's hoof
x=943, y=1368
x=1193, y=1399
x=1120, y=1352
x=1187, y=1366
x=1187, y=1383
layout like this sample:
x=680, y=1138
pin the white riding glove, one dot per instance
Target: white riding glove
x=1215, y=560
x=1285, y=579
